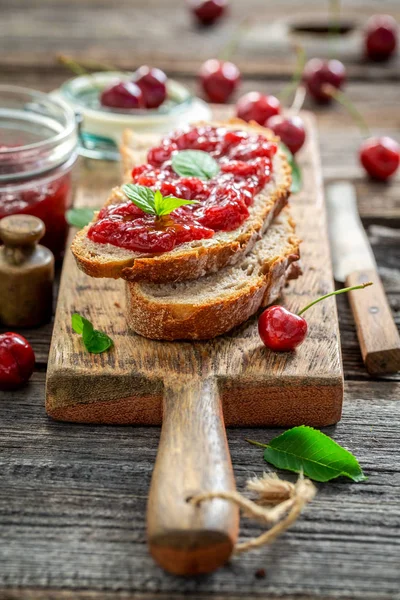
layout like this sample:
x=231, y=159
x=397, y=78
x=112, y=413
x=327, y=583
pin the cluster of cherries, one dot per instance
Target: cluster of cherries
x=219, y=79
x=148, y=89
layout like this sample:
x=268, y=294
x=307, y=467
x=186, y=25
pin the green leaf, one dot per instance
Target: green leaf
x=158, y=201
x=79, y=217
x=308, y=450
x=296, y=171
x=79, y=323
x=195, y=163
x=99, y=342
x=142, y=196
x=296, y=178
x=95, y=341
x=170, y=203
x=153, y=202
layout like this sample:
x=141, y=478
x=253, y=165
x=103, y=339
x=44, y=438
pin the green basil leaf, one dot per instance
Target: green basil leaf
x=158, y=201
x=79, y=217
x=308, y=450
x=195, y=163
x=142, y=196
x=296, y=178
x=296, y=171
x=78, y=323
x=170, y=203
x=95, y=341
x=87, y=332
x=99, y=342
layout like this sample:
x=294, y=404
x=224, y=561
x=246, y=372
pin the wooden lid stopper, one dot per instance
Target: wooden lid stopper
x=21, y=230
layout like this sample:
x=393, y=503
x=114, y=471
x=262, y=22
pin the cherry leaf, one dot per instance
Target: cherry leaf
x=308, y=450
x=195, y=163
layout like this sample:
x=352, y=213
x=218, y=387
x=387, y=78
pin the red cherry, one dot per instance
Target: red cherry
x=290, y=130
x=152, y=82
x=208, y=12
x=380, y=157
x=257, y=107
x=281, y=330
x=219, y=79
x=124, y=95
x=319, y=72
x=380, y=37
x=17, y=361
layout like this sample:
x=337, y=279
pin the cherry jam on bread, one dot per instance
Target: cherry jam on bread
x=245, y=163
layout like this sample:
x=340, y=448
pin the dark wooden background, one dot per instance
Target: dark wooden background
x=73, y=498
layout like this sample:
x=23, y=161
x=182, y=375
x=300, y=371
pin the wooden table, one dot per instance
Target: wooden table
x=72, y=497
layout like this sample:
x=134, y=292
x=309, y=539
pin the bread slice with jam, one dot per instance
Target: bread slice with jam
x=190, y=260
x=215, y=303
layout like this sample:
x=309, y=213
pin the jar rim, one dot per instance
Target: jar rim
x=51, y=140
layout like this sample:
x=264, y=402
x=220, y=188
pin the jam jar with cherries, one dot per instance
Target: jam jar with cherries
x=38, y=149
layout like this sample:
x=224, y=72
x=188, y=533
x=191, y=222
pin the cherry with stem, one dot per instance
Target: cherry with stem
x=380, y=156
x=282, y=330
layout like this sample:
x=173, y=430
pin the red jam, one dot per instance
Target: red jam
x=47, y=200
x=245, y=161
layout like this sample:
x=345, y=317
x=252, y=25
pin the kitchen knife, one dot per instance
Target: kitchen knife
x=354, y=263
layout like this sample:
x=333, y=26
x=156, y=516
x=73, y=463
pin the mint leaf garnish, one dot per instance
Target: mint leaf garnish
x=296, y=171
x=195, y=163
x=308, y=450
x=79, y=217
x=95, y=341
x=153, y=202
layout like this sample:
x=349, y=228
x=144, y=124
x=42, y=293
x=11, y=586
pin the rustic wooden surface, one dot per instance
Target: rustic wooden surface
x=73, y=497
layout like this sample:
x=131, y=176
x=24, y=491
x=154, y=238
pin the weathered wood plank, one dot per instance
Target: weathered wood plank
x=73, y=498
x=131, y=33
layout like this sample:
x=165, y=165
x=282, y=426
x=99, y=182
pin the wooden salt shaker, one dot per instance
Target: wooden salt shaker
x=26, y=272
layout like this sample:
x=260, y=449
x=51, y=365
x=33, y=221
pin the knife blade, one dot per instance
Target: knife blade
x=350, y=247
x=354, y=263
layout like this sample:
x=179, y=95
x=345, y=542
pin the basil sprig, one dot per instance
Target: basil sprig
x=308, y=450
x=79, y=217
x=153, y=202
x=296, y=171
x=95, y=341
x=195, y=163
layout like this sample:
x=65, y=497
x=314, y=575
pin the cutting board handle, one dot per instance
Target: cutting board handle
x=193, y=457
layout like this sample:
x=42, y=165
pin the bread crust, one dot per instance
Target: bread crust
x=190, y=262
x=169, y=321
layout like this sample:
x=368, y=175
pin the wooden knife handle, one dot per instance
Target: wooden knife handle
x=193, y=457
x=376, y=329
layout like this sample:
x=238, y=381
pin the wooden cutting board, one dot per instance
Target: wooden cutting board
x=188, y=383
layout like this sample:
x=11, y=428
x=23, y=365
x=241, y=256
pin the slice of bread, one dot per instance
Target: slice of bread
x=215, y=303
x=193, y=259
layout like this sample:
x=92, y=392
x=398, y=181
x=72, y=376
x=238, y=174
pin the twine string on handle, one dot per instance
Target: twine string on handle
x=279, y=504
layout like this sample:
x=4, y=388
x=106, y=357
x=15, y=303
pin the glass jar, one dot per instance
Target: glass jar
x=38, y=148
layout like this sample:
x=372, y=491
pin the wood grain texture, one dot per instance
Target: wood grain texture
x=186, y=539
x=376, y=330
x=73, y=500
x=130, y=33
x=257, y=386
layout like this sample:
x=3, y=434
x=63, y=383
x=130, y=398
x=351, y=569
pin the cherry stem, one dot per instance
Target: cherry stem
x=231, y=46
x=292, y=86
x=82, y=68
x=349, y=106
x=298, y=100
x=334, y=18
x=257, y=443
x=71, y=64
x=342, y=291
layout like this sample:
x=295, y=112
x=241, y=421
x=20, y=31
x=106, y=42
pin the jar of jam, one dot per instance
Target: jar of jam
x=38, y=148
